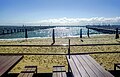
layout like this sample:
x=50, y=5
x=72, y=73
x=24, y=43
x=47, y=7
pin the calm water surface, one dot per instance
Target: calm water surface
x=45, y=33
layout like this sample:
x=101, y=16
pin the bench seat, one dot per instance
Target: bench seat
x=86, y=66
x=59, y=71
x=116, y=65
x=7, y=62
x=28, y=71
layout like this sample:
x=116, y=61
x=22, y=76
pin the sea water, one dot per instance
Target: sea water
x=60, y=32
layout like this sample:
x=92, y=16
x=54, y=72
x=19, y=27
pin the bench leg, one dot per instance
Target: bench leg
x=115, y=67
x=69, y=69
x=115, y=71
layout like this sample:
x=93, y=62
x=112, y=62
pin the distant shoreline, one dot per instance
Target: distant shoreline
x=14, y=39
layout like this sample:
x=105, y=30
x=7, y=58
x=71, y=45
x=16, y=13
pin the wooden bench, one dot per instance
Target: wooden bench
x=7, y=62
x=28, y=71
x=116, y=65
x=59, y=71
x=86, y=66
x=117, y=72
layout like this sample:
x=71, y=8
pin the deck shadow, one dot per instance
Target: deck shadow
x=115, y=73
x=36, y=75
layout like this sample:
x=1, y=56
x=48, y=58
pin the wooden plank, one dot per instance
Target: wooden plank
x=33, y=69
x=81, y=53
x=4, y=58
x=8, y=63
x=55, y=46
x=22, y=74
x=26, y=74
x=1, y=59
x=59, y=69
x=30, y=74
x=86, y=65
x=28, y=71
x=12, y=61
x=106, y=73
x=54, y=75
x=74, y=68
x=63, y=69
x=80, y=67
x=118, y=65
x=92, y=66
x=89, y=71
x=54, y=69
x=4, y=66
x=59, y=74
x=64, y=74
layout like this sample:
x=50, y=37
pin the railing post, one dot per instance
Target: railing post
x=80, y=33
x=88, y=33
x=11, y=31
x=69, y=49
x=14, y=30
x=7, y=31
x=3, y=32
x=26, y=36
x=69, y=56
x=22, y=30
x=17, y=30
x=53, y=36
x=117, y=34
x=115, y=65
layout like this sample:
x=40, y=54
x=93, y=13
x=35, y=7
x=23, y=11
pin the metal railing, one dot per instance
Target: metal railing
x=69, y=53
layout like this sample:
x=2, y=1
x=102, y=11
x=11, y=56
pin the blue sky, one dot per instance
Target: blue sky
x=23, y=11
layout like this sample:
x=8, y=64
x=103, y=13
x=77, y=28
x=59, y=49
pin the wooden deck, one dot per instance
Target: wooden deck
x=59, y=71
x=28, y=71
x=86, y=66
x=7, y=62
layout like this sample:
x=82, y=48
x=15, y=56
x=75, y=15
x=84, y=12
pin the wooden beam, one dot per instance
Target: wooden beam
x=80, y=33
x=59, y=45
x=117, y=34
x=88, y=33
x=26, y=35
x=69, y=49
x=53, y=36
x=82, y=53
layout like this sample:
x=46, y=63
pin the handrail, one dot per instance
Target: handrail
x=62, y=45
x=68, y=45
x=69, y=49
x=82, y=53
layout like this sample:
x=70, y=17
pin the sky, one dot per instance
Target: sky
x=59, y=12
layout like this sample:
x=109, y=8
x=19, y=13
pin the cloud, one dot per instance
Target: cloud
x=78, y=21
x=75, y=21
